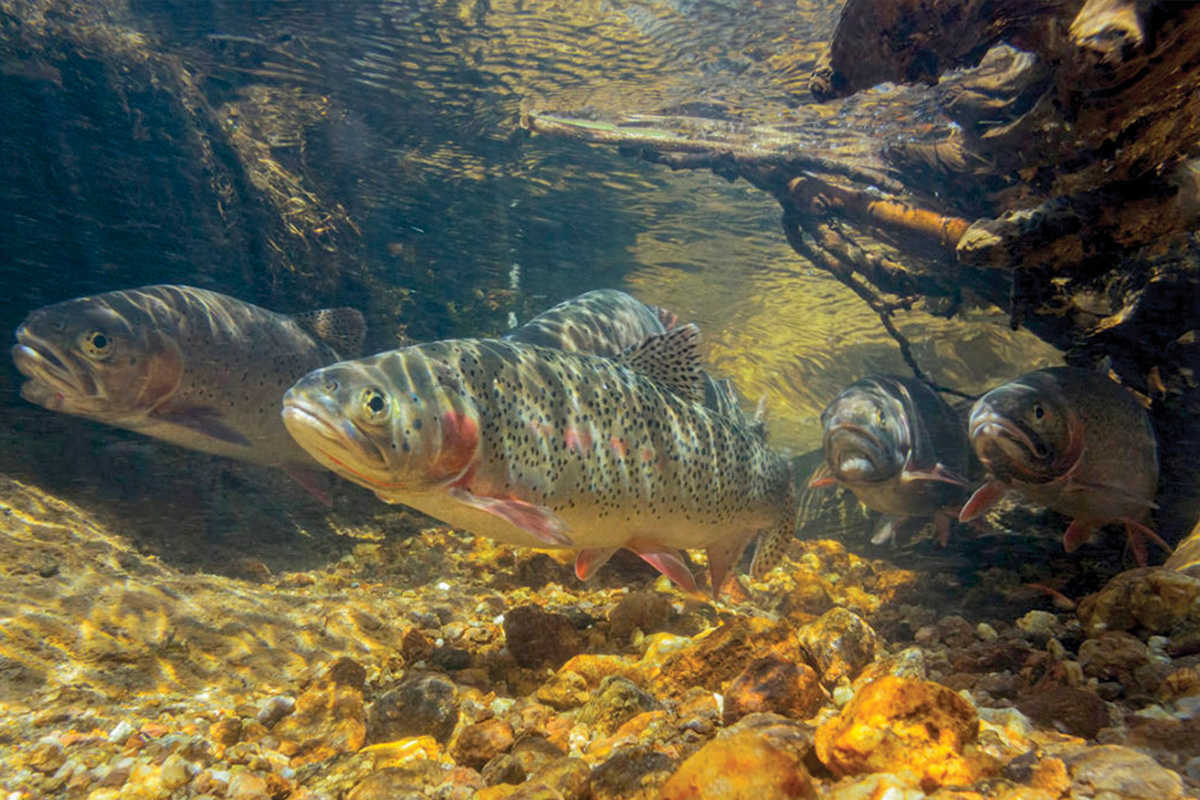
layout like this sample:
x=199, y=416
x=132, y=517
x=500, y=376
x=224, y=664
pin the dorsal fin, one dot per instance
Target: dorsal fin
x=671, y=359
x=343, y=329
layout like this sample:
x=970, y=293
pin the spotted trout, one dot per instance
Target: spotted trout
x=539, y=447
x=192, y=367
x=900, y=448
x=1073, y=441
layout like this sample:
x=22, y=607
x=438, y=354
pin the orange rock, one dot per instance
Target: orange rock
x=774, y=684
x=155, y=730
x=743, y=766
x=329, y=719
x=593, y=668
x=479, y=743
x=226, y=732
x=1051, y=774
x=895, y=723
x=724, y=652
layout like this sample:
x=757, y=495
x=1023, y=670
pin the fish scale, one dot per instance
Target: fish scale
x=539, y=447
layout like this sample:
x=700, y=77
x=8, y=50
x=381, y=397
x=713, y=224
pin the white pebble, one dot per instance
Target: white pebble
x=986, y=632
x=1038, y=622
x=841, y=695
x=1187, y=707
x=121, y=732
x=442, y=586
x=1055, y=648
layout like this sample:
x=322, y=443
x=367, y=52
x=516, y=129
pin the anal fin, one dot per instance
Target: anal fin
x=666, y=560
x=589, y=560
x=722, y=556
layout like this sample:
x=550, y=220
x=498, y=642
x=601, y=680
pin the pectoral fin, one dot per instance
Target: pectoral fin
x=314, y=482
x=937, y=473
x=984, y=498
x=1077, y=533
x=202, y=420
x=538, y=521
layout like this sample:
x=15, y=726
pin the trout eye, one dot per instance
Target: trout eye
x=880, y=419
x=374, y=406
x=1038, y=411
x=96, y=344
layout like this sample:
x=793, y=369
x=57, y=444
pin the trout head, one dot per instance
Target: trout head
x=372, y=423
x=91, y=358
x=866, y=436
x=1024, y=431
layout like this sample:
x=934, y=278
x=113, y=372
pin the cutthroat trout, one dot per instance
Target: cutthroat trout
x=900, y=449
x=192, y=367
x=1073, y=441
x=538, y=447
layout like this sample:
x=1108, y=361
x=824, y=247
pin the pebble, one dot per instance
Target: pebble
x=773, y=684
x=247, y=786
x=645, y=611
x=1122, y=773
x=175, y=772
x=47, y=755
x=617, y=701
x=761, y=757
x=1061, y=708
x=1151, y=599
x=390, y=783
x=1038, y=623
x=539, y=638
x=122, y=731
x=839, y=644
x=273, y=709
x=570, y=777
x=633, y=773
x=329, y=717
x=893, y=724
x=479, y=743
x=420, y=705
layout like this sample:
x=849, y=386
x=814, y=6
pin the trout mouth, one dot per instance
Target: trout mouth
x=1004, y=445
x=51, y=378
x=856, y=453
x=333, y=440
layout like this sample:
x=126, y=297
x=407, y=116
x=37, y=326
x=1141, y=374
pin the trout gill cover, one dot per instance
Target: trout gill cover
x=539, y=447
